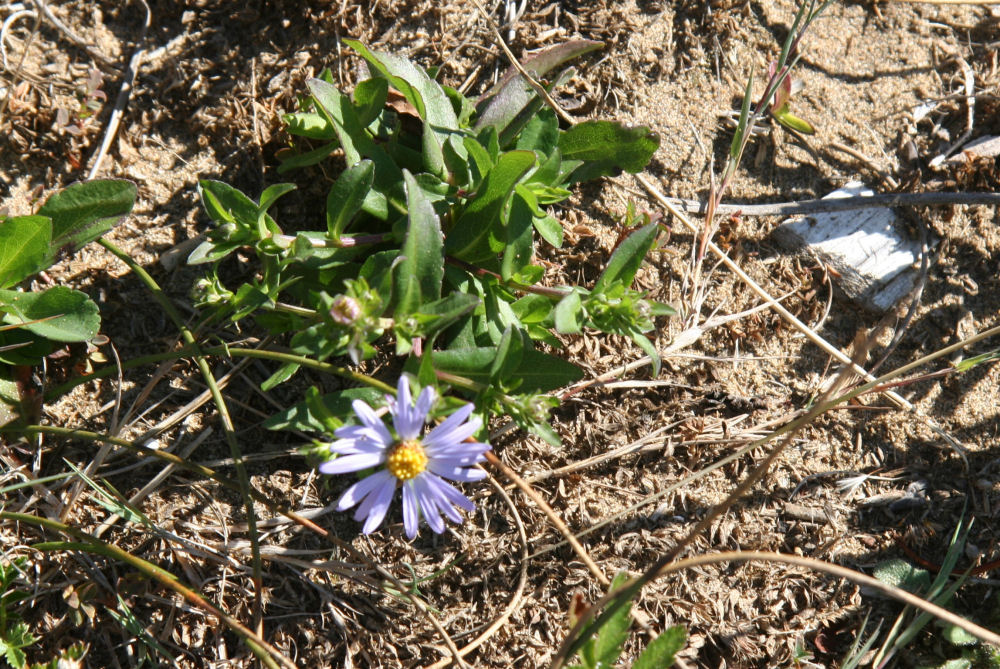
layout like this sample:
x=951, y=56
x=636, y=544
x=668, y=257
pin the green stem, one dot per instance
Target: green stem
x=227, y=424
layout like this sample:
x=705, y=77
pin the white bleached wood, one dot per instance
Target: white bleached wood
x=874, y=261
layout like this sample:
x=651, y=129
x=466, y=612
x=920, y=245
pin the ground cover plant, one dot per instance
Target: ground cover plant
x=446, y=284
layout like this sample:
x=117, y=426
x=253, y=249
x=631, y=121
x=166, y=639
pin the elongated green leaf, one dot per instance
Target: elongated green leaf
x=418, y=276
x=281, y=375
x=613, y=633
x=502, y=103
x=792, y=122
x=550, y=229
x=741, y=127
x=293, y=161
x=541, y=133
x=225, y=204
x=347, y=196
x=662, y=650
x=84, y=211
x=469, y=238
x=24, y=247
x=272, y=193
x=420, y=90
x=606, y=147
x=71, y=315
x=627, y=258
x=539, y=372
x=568, y=314
x=447, y=310
x=510, y=352
x=532, y=308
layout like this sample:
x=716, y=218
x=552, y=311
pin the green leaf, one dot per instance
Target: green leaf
x=271, y=194
x=297, y=160
x=627, y=258
x=549, y=229
x=741, y=127
x=519, y=247
x=661, y=651
x=311, y=125
x=607, y=147
x=502, y=103
x=24, y=246
x=321, y=413
x=469, y=239
x=281, y=375
x=425, y=94
x=369, y=99
x=347, y=196
x=541, y=133
x=532, y=308
x=510, y=352
x=358, y=144
x=969, y=363
x=84, y=211
x=792, y=122
x=647, y=347
x=957, y=636
x=538, y=372
x=901, y=574
x=419, y=274
x=226, y=204
x=614, y=632
x=568, y=314
x=446, y=311
x=64, y=314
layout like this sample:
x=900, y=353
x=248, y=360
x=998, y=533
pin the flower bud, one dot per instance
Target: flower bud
x=345, y=310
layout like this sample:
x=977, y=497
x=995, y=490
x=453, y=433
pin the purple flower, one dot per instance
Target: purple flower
x=416, y=464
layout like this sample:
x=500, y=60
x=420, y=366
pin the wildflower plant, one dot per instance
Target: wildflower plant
x=416, y=464
x=427, y=248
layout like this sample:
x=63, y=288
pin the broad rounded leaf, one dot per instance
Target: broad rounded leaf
x=59, y=313
x=24, y=246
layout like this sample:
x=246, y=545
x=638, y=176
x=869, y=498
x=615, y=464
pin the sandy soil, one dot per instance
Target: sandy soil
x=207, y=104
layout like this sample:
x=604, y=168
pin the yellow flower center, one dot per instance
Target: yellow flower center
x=406, y=459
